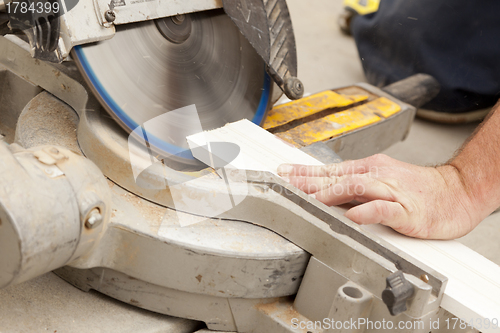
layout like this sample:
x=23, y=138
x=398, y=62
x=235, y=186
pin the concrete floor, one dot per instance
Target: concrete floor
x=327, y=59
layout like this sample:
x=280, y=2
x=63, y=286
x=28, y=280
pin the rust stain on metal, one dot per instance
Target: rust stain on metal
x=135, y=302
x=281, y=309
x=199, y=277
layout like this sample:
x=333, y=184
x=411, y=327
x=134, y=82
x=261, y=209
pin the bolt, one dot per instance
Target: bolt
x=109, y=16
x=294, y=89
x=94, y=219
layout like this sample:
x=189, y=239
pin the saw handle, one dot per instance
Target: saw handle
x=416, y=90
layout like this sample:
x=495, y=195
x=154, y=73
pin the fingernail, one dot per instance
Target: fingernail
x=312, y=196
x=285, y=169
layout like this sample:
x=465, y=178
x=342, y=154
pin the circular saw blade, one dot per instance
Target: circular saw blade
x=142, y=74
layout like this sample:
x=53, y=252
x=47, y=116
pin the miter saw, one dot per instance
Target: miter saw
x=112, y=220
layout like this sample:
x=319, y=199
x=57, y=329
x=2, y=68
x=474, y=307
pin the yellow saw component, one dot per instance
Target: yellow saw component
x=306, y=131
x=354, y=8
x=307, y=106
x=383, y=107
x=362, y=7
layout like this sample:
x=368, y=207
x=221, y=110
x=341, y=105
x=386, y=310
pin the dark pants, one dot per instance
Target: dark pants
x=456, y=41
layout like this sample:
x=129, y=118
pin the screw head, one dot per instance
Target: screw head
x=94, y=219
x=109, y=16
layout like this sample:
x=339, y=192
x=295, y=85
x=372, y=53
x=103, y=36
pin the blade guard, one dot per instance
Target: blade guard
x=268, y=27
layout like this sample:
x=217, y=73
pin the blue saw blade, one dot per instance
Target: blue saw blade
x=140, y=76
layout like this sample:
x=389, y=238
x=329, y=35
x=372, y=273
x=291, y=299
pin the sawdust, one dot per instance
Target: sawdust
x=47, y=121
x=152, y=213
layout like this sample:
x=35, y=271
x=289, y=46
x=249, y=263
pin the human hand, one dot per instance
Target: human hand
x=421, y=202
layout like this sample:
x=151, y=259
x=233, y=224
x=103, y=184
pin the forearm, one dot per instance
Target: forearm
x=478, y=166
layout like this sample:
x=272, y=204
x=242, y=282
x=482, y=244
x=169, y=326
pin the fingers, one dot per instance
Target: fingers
x=344, y=189
x=337, y=169
x=312, y=184
x=391, y=214
x=361, y=166
x=288, y=170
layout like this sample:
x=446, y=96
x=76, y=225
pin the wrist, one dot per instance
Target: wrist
x=462, y=194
